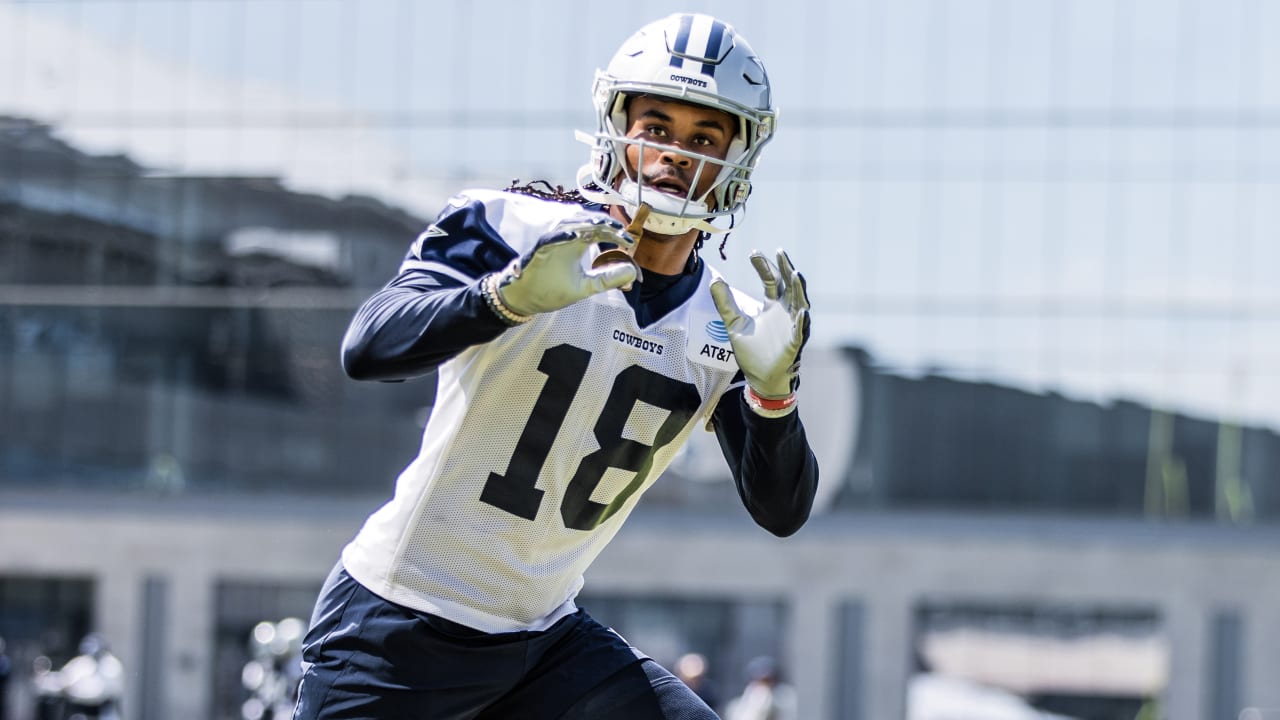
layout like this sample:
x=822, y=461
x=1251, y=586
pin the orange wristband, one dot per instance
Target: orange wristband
x=767, y=404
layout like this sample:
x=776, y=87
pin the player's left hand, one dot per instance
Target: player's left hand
x=767, y=344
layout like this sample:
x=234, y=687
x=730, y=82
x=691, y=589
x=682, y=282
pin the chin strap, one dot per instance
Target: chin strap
x=670, y=225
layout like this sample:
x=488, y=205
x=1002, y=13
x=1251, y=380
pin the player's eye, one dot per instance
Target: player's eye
x=656, y=130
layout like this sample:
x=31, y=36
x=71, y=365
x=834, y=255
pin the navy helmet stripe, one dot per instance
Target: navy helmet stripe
x=682, y=41
x=713, y=47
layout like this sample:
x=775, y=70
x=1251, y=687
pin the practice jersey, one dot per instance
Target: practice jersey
x=542, y=440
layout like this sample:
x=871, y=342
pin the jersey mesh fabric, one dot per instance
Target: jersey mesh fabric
x=539, y=445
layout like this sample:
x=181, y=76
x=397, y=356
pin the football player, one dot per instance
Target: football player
x=579, y=339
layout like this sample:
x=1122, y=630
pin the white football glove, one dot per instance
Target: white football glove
x=767, y=344
x=550, y=276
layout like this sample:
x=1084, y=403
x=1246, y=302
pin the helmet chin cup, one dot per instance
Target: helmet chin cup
x=664, y=210
x=668, y=215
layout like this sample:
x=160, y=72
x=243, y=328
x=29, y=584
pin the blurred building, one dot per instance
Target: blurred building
x=1039, y=233
x=182, y=459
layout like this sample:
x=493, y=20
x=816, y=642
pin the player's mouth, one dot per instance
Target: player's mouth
x=669, y=185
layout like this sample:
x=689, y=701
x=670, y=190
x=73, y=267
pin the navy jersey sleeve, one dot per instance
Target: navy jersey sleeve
x=432, y=310
x=773, y=467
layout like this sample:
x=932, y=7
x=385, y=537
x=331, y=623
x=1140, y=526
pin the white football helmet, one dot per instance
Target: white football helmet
x=691, y=58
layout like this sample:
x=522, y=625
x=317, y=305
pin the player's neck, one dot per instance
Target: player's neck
x=662, y=254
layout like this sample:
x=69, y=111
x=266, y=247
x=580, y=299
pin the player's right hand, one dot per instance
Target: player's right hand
x=551, y=275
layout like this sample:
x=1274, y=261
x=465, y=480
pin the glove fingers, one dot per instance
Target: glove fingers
x=728, y=308
x=800, y=333
x=609, y=277
x=565, y=238
x=787, y=267
x=587, y=217
x=797, y=293
x=599, y=228
x=786, y=273
x=795, y=289
x=767, y=274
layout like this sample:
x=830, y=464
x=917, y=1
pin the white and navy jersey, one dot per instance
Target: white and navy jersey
x=543, y=436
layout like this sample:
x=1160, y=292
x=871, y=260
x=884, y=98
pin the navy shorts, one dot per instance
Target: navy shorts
x=369, y=659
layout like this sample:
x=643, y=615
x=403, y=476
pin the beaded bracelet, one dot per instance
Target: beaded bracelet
x=489, y=289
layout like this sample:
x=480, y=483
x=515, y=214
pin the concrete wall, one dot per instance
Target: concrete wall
x=885, y=564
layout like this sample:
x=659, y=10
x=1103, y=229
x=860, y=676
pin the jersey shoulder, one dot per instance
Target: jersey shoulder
x=518, y=219
x=480, y=230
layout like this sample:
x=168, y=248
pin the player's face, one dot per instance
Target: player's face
x=676, y=126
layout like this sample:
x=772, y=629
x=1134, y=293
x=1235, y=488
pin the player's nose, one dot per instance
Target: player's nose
x=672, y=156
